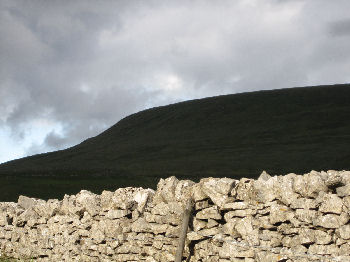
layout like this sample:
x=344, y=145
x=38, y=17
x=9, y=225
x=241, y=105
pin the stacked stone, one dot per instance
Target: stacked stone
x=82, y=227
x=280, y=218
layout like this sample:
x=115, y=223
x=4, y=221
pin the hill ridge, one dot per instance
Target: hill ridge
x=239, y=135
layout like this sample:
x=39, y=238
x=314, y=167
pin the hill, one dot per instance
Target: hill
x=239, y=135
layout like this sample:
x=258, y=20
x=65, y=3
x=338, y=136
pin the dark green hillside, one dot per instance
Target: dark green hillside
x=287, y=130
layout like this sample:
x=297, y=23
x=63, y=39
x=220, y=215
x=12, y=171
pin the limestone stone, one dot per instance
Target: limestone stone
x=240, y=213
x=331, y=249
x=220, y=185
x=135, y=224
x=97, y=236
x=279, y=213
x=344, y=232
x=264, y=176
x=218, y=189
x=333, y=179
x=197, y=193
x=230, y=227
x=68, y=206
x=170, y=219
x=210, y=231
x=183, y=190
x=343, y=191
x=345, y=175
x=322, y=237
x=211, y=223
x=346, y=202
x=26, y=202
x=23, y=218
x=89, y=201
x=235, y=206
x=194, y=236
x=265, y=189
x=168, y=208
x=303, y=203
x=141, y=197
x=142, y=226
x=198, y=224
x=123, y=198
x=232, y=251
x=306, y=236
x=47, y=209
x=309, y=185
x=299, y=249
x=106, y=200
x=263, y=222
x=287, y=229
x=277, y=187
x=291, y=241
x=330, y=203
x=306, y=215
x=344, y=249
x=210, y=212
x=271, y=238
x=117, y=213
x=331, y=220
x=201, y=204
x=166, y=190
x=245, y=228
x=244, y=190
x=284, y=189
x=3, y=219
x=267, y=257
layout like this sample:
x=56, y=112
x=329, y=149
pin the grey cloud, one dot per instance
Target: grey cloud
x=340, y=28
x=85, y=65
x=54, y=140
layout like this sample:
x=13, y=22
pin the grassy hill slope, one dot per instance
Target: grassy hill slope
x=287, y=130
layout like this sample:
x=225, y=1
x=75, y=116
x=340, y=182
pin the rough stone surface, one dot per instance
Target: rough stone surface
x=274, y=218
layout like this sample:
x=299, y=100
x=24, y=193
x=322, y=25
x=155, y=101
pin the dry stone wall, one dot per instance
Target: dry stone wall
x=281, y=218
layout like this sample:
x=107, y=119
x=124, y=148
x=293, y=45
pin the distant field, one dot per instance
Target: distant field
x=56, y=187
x=280, y=131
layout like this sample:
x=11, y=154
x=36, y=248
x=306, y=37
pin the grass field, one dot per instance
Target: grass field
x=280, y=131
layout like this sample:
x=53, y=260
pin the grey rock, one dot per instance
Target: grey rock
x=245, y=190
x=279, y=213
x=344, y=232
x=197, y=193
x=166, y=190
x=217, y=189
x=331, y=249
x=343, y=191
x=309, y=185
x=286, y=213
x=264, y=176
x=26, y=202
x=183, y=190
x=89, y=202
x=330, y=203
x=210, y=212
x=331, y=220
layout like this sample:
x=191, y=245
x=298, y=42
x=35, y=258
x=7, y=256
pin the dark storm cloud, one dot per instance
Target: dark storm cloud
x=83, y=65
x=340, y=28
x=48, y=55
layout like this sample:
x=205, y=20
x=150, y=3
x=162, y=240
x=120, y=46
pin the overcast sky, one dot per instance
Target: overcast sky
x=71, y=69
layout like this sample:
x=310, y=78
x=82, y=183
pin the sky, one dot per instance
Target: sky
x=71, y=69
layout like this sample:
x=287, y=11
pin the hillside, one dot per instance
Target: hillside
x=280, y=131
